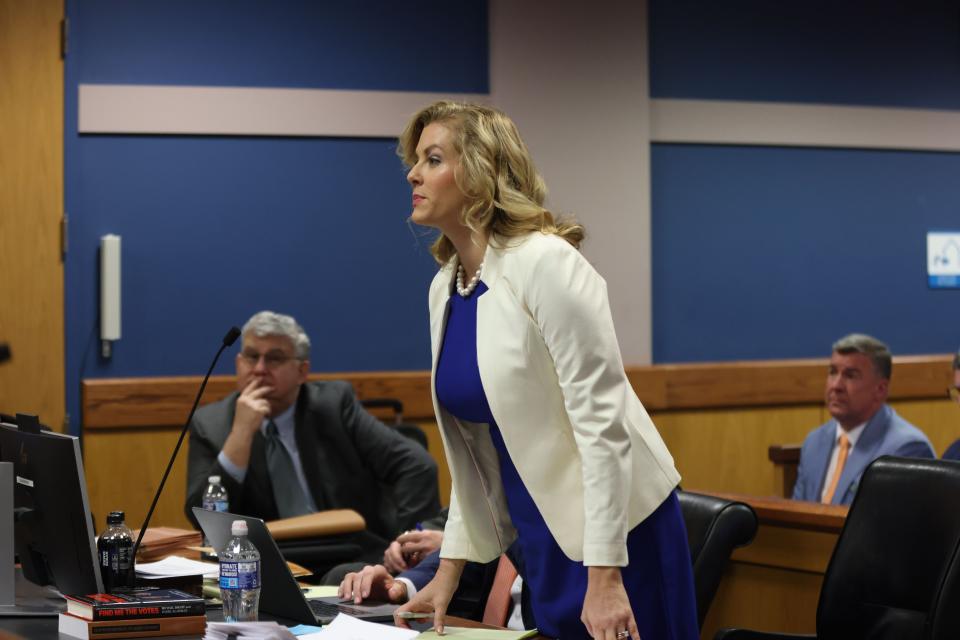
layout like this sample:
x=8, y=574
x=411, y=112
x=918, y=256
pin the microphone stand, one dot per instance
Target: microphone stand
x=228, y=340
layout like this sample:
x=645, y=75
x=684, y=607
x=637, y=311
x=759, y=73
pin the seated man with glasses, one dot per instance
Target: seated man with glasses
x=284, y=446
x=953, y=451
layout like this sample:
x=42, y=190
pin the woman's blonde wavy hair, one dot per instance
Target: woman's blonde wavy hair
x=504, y=191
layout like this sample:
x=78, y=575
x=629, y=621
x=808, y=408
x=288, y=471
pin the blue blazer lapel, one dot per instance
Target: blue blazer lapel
x=862, y=455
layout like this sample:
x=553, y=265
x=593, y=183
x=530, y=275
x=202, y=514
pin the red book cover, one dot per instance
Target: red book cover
x=137, y=603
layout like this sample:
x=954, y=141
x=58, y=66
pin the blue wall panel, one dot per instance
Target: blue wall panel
x=284, y=224
x=775, y=253
x=414, y=45
x=216, y=228
x=867, y=52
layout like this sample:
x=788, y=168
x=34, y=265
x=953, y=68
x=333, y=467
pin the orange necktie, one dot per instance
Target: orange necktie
x=841, y=460
x=498, y=602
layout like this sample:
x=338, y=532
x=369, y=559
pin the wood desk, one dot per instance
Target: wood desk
x=46, y=628
x=786, y=462
x=453, y=621
x=774, y=583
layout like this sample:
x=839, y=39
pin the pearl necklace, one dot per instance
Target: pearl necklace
x=465, y=291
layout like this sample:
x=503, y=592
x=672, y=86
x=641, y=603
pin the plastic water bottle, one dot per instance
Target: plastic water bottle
x=215, y=499
x=239, y=576
x=115, y=551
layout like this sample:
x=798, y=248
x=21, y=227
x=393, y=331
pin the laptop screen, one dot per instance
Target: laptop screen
x=280, y=595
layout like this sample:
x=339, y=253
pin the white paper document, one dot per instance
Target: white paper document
x=177, y=566
x=345, y=627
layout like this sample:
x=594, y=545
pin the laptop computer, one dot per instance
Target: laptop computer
x=280, y=595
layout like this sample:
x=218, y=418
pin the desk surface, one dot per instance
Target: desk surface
x=46, y=628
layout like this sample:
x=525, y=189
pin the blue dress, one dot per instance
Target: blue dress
x=659, y=578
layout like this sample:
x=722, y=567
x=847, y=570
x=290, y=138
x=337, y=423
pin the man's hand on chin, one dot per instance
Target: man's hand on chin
x=252, y=408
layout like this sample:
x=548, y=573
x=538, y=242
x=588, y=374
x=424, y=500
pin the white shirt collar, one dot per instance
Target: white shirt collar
x=284, y=421
x=852, y=434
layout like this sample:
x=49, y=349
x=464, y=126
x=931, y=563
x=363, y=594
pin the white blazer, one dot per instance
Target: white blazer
x=550, y=365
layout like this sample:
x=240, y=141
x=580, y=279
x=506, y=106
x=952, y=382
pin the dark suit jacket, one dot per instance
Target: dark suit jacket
x=953, y=451
x=350, y=460
x=886, y=433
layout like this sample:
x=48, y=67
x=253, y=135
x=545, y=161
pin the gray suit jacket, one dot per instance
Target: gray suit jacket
x=350, y=460
x=886, y=433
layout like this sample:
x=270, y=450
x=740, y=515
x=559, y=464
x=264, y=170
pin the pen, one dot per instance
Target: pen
x=419, y=526
x=413, y=615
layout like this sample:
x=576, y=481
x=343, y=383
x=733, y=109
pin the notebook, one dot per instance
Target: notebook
x=280, y=595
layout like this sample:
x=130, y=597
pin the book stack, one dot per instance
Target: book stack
x=138, y=613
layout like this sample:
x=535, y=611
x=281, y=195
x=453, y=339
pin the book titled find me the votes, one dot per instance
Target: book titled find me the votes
x=137, y=628
x=134, y=604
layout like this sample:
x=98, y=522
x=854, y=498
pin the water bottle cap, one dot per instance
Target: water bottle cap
x=116, y=517
x=214, y=479
x=238, y=528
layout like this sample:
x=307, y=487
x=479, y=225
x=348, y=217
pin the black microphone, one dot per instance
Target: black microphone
x=228, y=340
x=4, y=352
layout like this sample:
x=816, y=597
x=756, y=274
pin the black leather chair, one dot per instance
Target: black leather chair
x=894, y=573
x=410, y=430
x=715, y=527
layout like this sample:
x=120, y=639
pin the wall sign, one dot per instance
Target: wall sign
x=943, y=259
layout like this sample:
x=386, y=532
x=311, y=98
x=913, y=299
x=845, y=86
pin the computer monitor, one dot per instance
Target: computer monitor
x=53, y=531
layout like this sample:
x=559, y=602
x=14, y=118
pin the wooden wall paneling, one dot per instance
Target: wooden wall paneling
x=774, y=583
x=114, y=410
x=786, y=548
x=772, y=382
x=917, y=377
x=123, y=469
x=124, y=465
x=765, y=599
x=410, y=387
x=726, y=449
x=719, y=447
x=147, y=402
x=165, y=400
x=731, y=384
x=130, y=402
x=938, y=418
x=31, y=206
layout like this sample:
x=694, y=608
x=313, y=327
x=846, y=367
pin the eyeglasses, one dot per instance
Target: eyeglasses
x=954, y=393
x=271, y=360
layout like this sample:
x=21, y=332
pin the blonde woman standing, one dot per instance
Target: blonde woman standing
x=545, y=439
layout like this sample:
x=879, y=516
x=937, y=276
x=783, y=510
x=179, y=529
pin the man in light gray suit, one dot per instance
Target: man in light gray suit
x=863, y=428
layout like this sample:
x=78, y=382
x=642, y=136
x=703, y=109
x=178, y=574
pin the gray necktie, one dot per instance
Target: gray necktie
x=287, y=492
